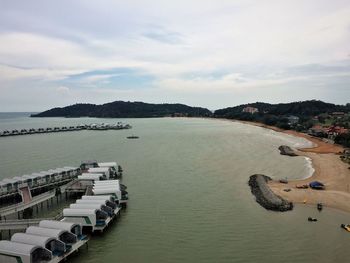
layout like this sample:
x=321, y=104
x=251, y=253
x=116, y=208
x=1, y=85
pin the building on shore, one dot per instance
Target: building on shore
x=251, y=110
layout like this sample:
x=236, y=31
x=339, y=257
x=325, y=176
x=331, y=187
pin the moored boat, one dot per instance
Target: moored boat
x=133, y=137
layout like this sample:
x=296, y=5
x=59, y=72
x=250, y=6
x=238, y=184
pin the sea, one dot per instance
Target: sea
x=189, y=199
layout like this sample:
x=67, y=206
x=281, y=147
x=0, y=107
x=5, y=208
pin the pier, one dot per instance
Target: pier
x=94, y=127
x=100, y=198
x=51, y=241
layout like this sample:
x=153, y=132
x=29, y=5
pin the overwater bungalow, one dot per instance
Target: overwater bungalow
x=85, y=165
x=112, y=201
x=94, y=219
x=27, y=179
x=71, y=227
x=6, y=133
x=52, y=173
x=39, y=178
x=24, y=253
x=91, y=205
x=111, y=189
x=65, y=236
x=106, y=171
x=33, y=179
x=98, y=201
x=12, y=184
x=82, y=126
x=56, y=174
x=72, y=171
x=14, y=132
x=40, y=130
x=92, y=177
x=23, y=131
x=5, y=188
x=31, y=131
x=48, y=129
x=113, y=166
x=57, y=247
x=48, y=176
x=56, y=129
x=21, y=182
x=92, y=126
x=100, y=197
x=88, y=179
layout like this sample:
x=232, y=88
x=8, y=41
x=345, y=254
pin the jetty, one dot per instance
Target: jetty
x=264, y=196
x=52, y=240
x=94, y=127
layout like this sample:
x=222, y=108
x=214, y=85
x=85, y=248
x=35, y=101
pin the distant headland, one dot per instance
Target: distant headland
x=123, y=109
x=317, y=118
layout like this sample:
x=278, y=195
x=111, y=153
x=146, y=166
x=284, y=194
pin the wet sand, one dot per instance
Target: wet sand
x=329, y=169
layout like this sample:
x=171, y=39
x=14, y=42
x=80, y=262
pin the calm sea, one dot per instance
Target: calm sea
x=187, y=183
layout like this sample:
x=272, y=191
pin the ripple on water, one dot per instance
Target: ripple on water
x=189, y=198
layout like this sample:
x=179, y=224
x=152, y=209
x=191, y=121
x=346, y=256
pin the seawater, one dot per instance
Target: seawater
x=187, y=183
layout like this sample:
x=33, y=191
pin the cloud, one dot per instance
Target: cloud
x=194, y=47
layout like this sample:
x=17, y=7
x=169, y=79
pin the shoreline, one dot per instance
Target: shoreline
x=328, y=168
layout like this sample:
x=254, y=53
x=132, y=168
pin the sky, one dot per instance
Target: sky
x=208, y=53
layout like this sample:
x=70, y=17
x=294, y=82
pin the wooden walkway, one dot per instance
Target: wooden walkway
x=24, y=223
x=8, y=210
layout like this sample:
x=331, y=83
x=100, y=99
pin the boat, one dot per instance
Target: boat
x=132, y=137
x=302, y=186
x=317, y=185
x=283, y=181
x=311, y=219
x=346, y=227
x=319, y=206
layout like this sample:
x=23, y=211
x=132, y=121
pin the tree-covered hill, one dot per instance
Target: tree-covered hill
x=122, y=109
x=300, y=108
x=300, y=115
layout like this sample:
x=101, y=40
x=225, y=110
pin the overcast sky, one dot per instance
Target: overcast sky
x=213, y=53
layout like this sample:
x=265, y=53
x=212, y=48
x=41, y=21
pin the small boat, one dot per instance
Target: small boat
x=311, y=219
x=302, y=186
x=319, y=206
x=317, y=185
x=283, y=181
x=346, y=227
x=132, y=137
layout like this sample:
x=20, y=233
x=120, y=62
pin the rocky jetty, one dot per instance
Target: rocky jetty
x=265, y=197
x=286, y=150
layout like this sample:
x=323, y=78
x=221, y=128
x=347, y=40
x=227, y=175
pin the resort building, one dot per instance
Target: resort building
x=293, y=120
x=251, y=110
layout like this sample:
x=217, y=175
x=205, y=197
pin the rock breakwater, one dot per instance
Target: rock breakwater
x=286, y=150
x=265, y=197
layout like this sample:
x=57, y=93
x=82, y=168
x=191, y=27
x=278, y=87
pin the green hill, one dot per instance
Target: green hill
x=122, y=109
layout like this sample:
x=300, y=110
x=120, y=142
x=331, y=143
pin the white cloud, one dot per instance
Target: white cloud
x=249, y=44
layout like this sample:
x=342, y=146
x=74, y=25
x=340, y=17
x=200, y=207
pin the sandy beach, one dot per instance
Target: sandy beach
x=329, y=169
